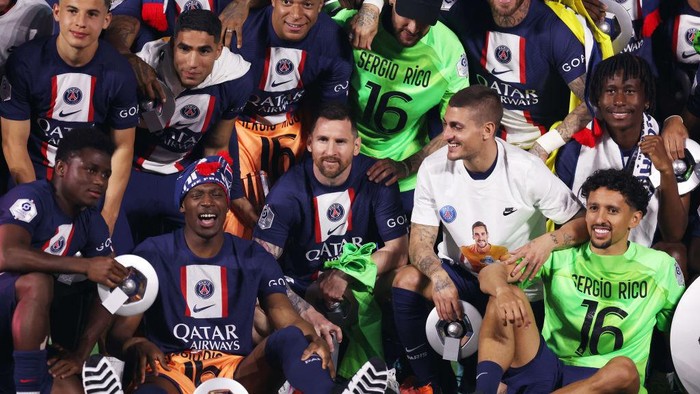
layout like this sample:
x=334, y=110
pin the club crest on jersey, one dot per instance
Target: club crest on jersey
x=503, y=54
x=189, y=111
x=690, y=35
x=284, y=66
x=23, y=209
x=72, y=96
x=448, y=213
x=192, y=5
x=204, y=289
x=335, y=212
x=58, y=245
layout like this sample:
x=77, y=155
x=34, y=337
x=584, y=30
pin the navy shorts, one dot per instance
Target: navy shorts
x=544, y=373
x=467, y=286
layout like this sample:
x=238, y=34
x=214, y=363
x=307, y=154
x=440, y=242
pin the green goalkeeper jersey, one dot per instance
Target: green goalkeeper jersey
x=393, y=87
x=599, y=307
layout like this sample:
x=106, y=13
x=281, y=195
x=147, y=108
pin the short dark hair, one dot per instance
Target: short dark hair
x=108, y=4
x=631, y=188
x=335, y=110
x=479, y=224
x=631, y=66
x=483, y=100
x=199, y=20
x=83, y=138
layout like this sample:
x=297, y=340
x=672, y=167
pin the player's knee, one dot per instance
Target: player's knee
x=286, y=336
x=409, y=278
x=36, y=287
x=619, y=374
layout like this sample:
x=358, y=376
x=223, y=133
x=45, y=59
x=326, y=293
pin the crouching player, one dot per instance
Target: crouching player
x=200, y=325
x=602, y=301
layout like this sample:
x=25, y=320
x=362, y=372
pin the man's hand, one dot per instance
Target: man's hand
x=364, y=26
x=145, y=353
x=388, y=171
x=528, y=259
x=446, y=297
x=106, y=270
x=511, y=308
x=320, y=347
x=65, y=364
x=146, y=78
x=324, y=328
x=232, y=19
x=595, y=9
x=653, y=147
x=674, y=134
x=332, y=285
x=539, y=151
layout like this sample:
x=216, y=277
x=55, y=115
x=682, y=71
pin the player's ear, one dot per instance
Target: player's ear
x=56, y=8
x=489, y=130
x=60, y=168
x=308, y=141
x=356, y=148
x=635, y=219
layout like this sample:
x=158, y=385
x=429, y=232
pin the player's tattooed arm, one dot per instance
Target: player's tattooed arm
x=390, y=171
x=232, y=18
x=414, y=161
x=122, y=32
x=574, y=121
x=420, y=249
x=271, y=248
x=364, y=26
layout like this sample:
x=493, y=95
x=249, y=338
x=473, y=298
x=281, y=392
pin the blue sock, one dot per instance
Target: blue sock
x=488, y=377
x=150, y=389
x=31, y=372
x=283, y=350
x=410, y=311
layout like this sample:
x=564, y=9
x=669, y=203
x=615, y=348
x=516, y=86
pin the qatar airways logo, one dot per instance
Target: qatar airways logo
x=221, y=338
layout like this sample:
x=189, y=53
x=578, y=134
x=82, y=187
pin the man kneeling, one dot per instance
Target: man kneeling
x=602, y=299
x=202, y=318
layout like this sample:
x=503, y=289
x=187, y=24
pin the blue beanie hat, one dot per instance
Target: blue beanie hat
x=211, y=169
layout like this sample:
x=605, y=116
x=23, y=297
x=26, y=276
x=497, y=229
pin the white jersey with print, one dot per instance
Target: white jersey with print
x=26, y=20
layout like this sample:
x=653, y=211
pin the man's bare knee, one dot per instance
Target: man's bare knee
x=410, y=278
x=35, y=286
x=619, y=374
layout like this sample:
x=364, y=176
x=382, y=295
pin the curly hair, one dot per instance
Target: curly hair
x=631, y=188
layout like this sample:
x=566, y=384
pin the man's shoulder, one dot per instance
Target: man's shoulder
x=437, y=161
x=31, y=51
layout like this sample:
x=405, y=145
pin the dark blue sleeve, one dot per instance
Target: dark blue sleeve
x=240, y=91
x=338, y=63
x=123, y=111
x=98, y=243
x=281, y=213
x=271, y=278
x=389, y=214
x=16, y=106
x=567, y=159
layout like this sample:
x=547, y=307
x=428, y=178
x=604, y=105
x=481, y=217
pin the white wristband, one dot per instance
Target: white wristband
x=551, y=141
x=378, y=3
x=673, y=116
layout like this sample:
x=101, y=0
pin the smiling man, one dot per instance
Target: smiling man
x=476, y=177
x=70, y=80
x=602, y=301
x=299, y=58
x=625, y=136
x=42, y=226
x=203, y=321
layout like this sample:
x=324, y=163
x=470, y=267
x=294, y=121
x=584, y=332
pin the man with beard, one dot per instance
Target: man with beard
x=602, y=298
x=327, y=201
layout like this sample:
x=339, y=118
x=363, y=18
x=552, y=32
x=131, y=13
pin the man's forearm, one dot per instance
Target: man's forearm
x=414, y=161
x=571, y=233
x=98, y=323
x=121, y=170
x=122, y=32
x=673, y=210
x=574, y=121
x=420, y=249
x=15, y=136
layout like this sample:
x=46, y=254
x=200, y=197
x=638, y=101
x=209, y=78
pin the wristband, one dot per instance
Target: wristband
x=674, y=116
x=377, y=3
x=551, y=141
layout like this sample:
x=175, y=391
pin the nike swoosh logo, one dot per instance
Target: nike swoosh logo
x=331, y=231
x=688, y=54
x=494, y=72
x=197, y=310
x=414, y=348
x=62, y=114
x=275, y=84
x=483, y=373
x=508, y=211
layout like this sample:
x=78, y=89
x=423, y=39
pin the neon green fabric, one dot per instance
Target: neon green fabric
x=364, y=337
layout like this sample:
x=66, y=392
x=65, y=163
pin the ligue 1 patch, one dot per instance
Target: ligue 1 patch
x=503, y=54
x=448, y=213
x=679, y=276
x=5, y=89
x=284, y=67
x=266, y=217
x=447, y=4
x=23, y=210
x=463, y=65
